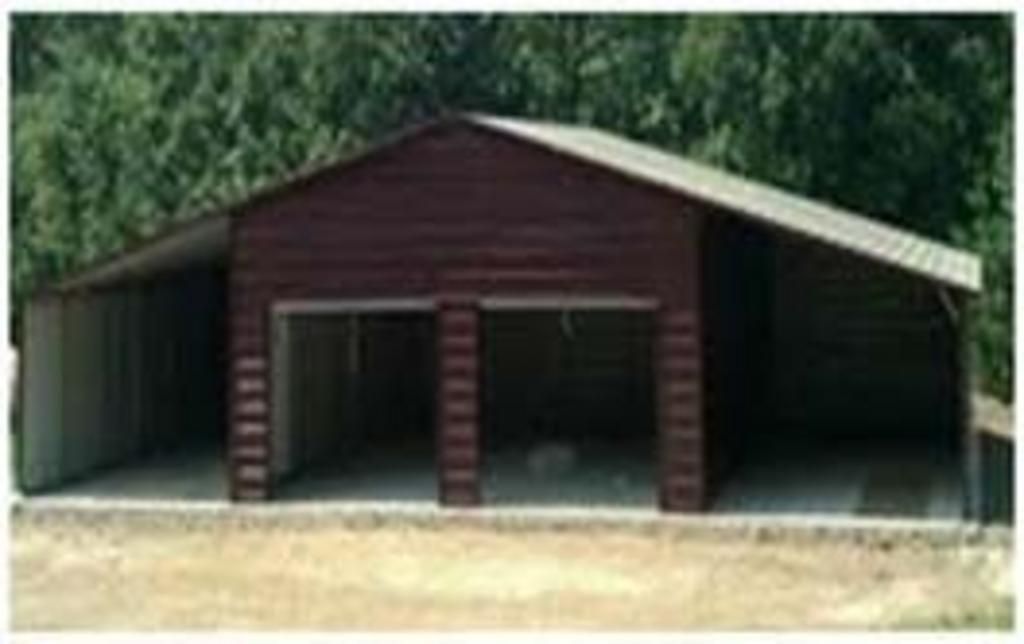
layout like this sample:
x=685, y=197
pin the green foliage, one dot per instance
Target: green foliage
x=123, y=123
x=990, y=234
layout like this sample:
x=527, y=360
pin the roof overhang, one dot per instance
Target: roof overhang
x=196, y=243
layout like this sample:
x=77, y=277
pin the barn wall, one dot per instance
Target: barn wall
x=859, y=350
x=457, y=213
x=117, y=373
x=42, y=388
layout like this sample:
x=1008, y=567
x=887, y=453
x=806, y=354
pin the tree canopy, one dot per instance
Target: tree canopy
x=123, y=123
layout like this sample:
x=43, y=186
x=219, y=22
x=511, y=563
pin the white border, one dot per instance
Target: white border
x=507, y=5
x=516, y=6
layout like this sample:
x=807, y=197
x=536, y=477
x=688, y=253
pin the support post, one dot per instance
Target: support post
x=458, y=444
x=679, y=376
x=973, y=491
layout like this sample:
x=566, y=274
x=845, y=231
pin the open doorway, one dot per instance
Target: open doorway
x=568, y=407
x=126, y=391
x=830, y=383
x=354, y=405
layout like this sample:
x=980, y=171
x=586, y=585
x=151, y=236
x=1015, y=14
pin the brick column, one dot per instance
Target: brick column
x=458, y=444
x=680, y=411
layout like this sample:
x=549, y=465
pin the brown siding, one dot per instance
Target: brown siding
x=465, y=211
x=680, y=395
x=458, y=423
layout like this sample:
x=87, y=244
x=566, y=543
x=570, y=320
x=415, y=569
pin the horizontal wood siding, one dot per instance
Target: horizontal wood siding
x=452, y=210
x=680, y=420
x=458, y=412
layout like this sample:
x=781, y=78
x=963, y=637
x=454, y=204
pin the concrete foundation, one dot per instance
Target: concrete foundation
x=870, y=480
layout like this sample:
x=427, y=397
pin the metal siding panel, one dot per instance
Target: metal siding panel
x=282, y=457
x=121, y=394
x=134, y=374
x=110, y=376
x=132, y=395
x=41, y=459
x=73, y=441
x=91, y=378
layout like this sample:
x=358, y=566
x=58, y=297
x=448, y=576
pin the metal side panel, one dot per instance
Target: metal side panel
x=106, y=426
x=128, y=334
x=43, y=393
x=132, y=394
x=113, y=410
x=92, y=372
x=282, y=461
x=74, y=437
x=114, y=426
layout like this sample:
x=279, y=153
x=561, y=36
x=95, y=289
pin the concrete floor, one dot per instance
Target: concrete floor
x=380, y=476
x=873, y=480
x=880, y=481
x=600, y=477
x=191, y=473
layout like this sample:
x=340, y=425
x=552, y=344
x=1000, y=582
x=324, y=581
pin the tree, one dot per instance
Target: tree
x=123, y=123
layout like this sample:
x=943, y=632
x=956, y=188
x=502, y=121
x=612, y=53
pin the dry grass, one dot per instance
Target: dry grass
x=134, y=575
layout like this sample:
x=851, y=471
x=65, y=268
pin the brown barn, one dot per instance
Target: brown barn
x=485, y=308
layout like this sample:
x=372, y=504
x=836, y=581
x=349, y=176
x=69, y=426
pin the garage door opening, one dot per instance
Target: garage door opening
x=568, y=408
x=830, y=387
x=125, y=390
x=354, y=405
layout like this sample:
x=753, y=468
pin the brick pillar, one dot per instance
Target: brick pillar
x=680, y=411
x=458, y=443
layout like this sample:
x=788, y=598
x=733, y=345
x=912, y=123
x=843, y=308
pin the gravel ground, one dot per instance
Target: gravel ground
x=144, y=573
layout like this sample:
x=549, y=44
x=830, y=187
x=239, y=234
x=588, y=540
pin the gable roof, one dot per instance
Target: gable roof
x=757, y=201
x=202, y=237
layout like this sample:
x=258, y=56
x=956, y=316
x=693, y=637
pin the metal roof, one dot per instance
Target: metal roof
x=198, y=241
x=757, y=201
x=204, y=239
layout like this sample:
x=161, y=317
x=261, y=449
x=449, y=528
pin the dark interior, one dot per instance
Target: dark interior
x=738, y=337
x=361, y=396
x=571, y=380
x=813, y=353
x=188, y=370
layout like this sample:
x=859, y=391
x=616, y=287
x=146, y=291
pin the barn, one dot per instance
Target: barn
x=486, y=310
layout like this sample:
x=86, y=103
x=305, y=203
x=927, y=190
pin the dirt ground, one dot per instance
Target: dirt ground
x=136, y=575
